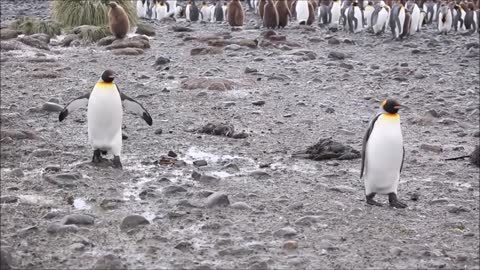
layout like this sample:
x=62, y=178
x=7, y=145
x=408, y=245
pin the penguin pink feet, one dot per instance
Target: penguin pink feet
x=394, y=202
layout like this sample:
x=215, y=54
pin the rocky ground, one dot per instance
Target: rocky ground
x=190, y=200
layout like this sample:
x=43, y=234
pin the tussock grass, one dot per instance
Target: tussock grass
x=29, y=26
x=91, y=33
x=73, y=13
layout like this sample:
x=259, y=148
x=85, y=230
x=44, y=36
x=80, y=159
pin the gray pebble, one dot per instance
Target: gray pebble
x=217, y=199
x=307, y=220
x=60, y=228
x=109, y=262
x=241, y=206
x=200, y=163
x=52, y=107
x=133, y=221
x=286, y=232
x=431, y=148
x=78, y=219
x=173, y=189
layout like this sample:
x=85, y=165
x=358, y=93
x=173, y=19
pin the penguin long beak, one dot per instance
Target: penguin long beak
x=397, y=107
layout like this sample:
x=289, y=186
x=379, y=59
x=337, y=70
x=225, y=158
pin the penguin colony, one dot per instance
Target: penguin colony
x=401, y=17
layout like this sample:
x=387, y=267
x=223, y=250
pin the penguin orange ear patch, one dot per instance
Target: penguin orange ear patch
x=384, y=102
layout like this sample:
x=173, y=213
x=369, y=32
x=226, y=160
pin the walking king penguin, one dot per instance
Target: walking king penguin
x=104, y=116
x=383, y=154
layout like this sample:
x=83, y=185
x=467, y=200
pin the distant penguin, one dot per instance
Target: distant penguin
x=140, y=10
x=379, y=19
x=325, y=13
x=335, y=8
x=459, y=19
x=118, y=20
x=383, y=154
x=354, y=18
x=311, y=12
x=292, y=7
x=161, y=10
x=224, y=8
x=344, y=8
x=421, y=20
x=368, y=14
x=205, y=12
x=261, y=8
x=218, y=12
x=104, y=116
x=235, y=15
x=414, y=11
x=302, y=11
x=270, y=15
x=471, y=18
x=444, y=20
x=397, y=19
x=429, y=8
x=407, y=24
x=172, y=6
x=283, y=12
x=192, y=13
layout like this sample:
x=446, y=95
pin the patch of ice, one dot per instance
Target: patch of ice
x=80, y=203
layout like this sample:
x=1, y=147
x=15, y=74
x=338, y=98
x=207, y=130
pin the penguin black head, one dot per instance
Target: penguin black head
x=391, y=106
x=108, y=76
x=112, y=4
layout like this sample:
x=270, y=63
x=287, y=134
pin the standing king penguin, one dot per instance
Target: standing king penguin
x=383, y=154
x=104, y=116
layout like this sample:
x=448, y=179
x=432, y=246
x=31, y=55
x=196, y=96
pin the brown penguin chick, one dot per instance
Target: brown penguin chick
x=283, y=12
x=118, y=20
x=270, y=15
x=291, y=6
x=261, y=8
x=406, y=24
x=314, y=4
x=235, y=14
x=311, y=13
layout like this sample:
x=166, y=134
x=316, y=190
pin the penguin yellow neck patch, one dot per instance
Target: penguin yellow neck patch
x=391, y=116
x=105, y=85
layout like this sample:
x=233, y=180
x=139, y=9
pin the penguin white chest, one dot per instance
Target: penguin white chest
x=335, y=12
x=301, y=9
x=104, y=118
x=384, y=155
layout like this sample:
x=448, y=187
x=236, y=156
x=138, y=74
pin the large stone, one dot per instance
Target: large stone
x=42, y=37
x=128, y=51
x=109, y=262
x=133, y=221
x=206, y=50
x=106, y=41
x=217, y=199
x=78, y=219
x=6, y=33
x=206, y=83
x=145, y=29
x=33, y=42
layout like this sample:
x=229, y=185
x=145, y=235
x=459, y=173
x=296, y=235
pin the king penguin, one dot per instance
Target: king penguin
x=444, y=19
x=104, y=116
x=383, y=155
x=302, y=11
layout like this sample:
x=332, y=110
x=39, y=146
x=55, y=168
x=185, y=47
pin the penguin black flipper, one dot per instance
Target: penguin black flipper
x=134, y=107
x=403, y=159
x=365, y=140
x=73, y=105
